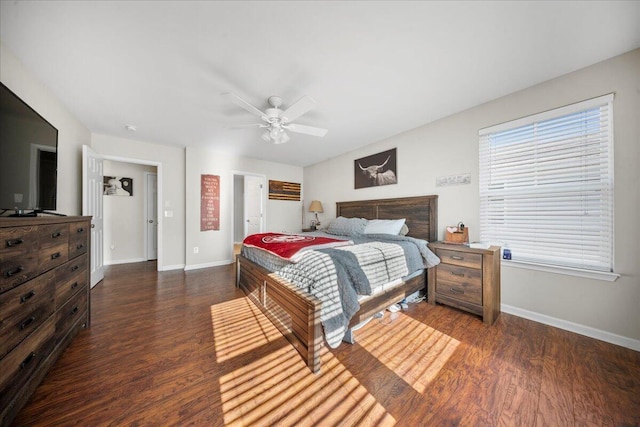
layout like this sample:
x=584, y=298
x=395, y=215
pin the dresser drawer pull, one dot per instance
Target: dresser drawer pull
x=75, y=267
x=75, y=285
x=14, y=242
x=74, y=311
x=457, y=257
x=24, y=298
x=453, y=273
x=14, y=271
x=27, y=360
x=56, y=255
x=79, y=246
x=80, y=230
x=56, y=234
x=27, y=322
x=456, y=291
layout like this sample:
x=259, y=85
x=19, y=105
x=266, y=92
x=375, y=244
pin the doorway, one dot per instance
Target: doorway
x=249, y=216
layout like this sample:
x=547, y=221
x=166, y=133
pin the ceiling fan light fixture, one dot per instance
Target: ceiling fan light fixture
x=281, y=139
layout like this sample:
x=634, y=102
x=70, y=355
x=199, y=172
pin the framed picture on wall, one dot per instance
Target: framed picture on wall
x=377, y=169
x=117, y=186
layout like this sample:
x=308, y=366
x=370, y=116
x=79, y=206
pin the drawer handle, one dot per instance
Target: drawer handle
x=56, y=234
x=56, y=255
x=27, y=322
x=79, y=246
x=27, y=360
x=74, y=311
x=75, y=267
x=14, y=242
x=453, y=273
x=24, y=298
x=456, y=291
x=80, y=230
x=75, y=285
x=457, y=257
x=14, y=271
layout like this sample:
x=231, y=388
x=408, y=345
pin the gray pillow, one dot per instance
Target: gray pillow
x=342, y=226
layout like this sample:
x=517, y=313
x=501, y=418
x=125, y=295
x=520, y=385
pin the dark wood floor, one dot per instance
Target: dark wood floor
x=178, y=348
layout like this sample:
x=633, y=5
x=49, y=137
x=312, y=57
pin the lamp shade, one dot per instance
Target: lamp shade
x=315, y=206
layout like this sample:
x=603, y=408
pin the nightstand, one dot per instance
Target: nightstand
x=468, y=279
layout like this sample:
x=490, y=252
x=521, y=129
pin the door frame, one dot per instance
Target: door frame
x=159, y=173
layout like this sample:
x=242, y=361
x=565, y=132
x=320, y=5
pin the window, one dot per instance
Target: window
x=546, y=186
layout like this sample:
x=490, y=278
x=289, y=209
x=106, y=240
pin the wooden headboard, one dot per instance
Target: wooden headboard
x=420, y=212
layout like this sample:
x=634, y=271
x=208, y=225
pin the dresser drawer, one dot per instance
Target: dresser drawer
x=53, y=256
x=70, y=278
x=73, y=310
x=53, y=235
x=18, y=366
x=461, y=283
x=463, y=259
x=18, y=256
x=23, y=309
x=78, y=238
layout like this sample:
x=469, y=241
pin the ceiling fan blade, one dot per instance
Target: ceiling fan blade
x=253, y=125
x=244, y=104
x=300, y=107
x=309, y=130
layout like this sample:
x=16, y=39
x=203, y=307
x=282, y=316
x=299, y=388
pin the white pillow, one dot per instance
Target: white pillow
x=384, y=226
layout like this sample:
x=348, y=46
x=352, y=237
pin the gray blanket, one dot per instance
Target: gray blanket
x=338, y=275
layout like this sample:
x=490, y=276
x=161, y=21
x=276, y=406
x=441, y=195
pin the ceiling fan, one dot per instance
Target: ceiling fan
x=277, y=122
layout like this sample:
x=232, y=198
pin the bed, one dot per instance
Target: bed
x=297, y=313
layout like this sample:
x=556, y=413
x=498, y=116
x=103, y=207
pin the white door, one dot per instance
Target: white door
x=253, y=204
x=151, y=209
x=92, y=206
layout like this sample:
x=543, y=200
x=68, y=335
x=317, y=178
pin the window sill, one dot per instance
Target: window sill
x=589, y=274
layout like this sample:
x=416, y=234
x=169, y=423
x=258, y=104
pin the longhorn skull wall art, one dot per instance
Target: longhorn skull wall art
x=377, y=169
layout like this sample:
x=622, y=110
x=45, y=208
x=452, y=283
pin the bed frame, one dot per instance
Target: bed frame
x=296, y=313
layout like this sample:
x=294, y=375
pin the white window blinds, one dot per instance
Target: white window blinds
x=546, y=186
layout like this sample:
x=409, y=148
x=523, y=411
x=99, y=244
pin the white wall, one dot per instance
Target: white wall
x=124, y=216
x=71, y=133
x=171, y=187
x=215, y=247
x=610, y=311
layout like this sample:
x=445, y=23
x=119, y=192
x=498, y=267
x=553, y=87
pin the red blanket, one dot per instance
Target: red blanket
x=287, y=246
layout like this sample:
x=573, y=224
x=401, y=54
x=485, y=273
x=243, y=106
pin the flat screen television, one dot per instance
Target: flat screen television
x=28, y=158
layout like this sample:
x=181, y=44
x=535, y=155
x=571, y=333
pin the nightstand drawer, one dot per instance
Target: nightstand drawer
x=463, y=259
x=461, y=283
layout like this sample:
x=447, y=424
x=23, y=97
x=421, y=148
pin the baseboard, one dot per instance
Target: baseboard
x=125, y=261
x=172, y=267
x=207, y=265
x=588, y=331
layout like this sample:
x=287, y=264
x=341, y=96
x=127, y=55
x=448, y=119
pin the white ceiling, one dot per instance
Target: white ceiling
x=375, y=68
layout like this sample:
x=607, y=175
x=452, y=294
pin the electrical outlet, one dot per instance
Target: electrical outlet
x=196, y=249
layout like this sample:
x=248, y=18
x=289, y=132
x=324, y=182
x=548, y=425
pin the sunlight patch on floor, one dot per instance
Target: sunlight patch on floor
x=280, y=390
x=275, y=387
x=239, y=327
x=413, y=350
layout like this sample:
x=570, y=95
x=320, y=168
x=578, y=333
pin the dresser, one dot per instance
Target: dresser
x=468, y=279
x=44, y=300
